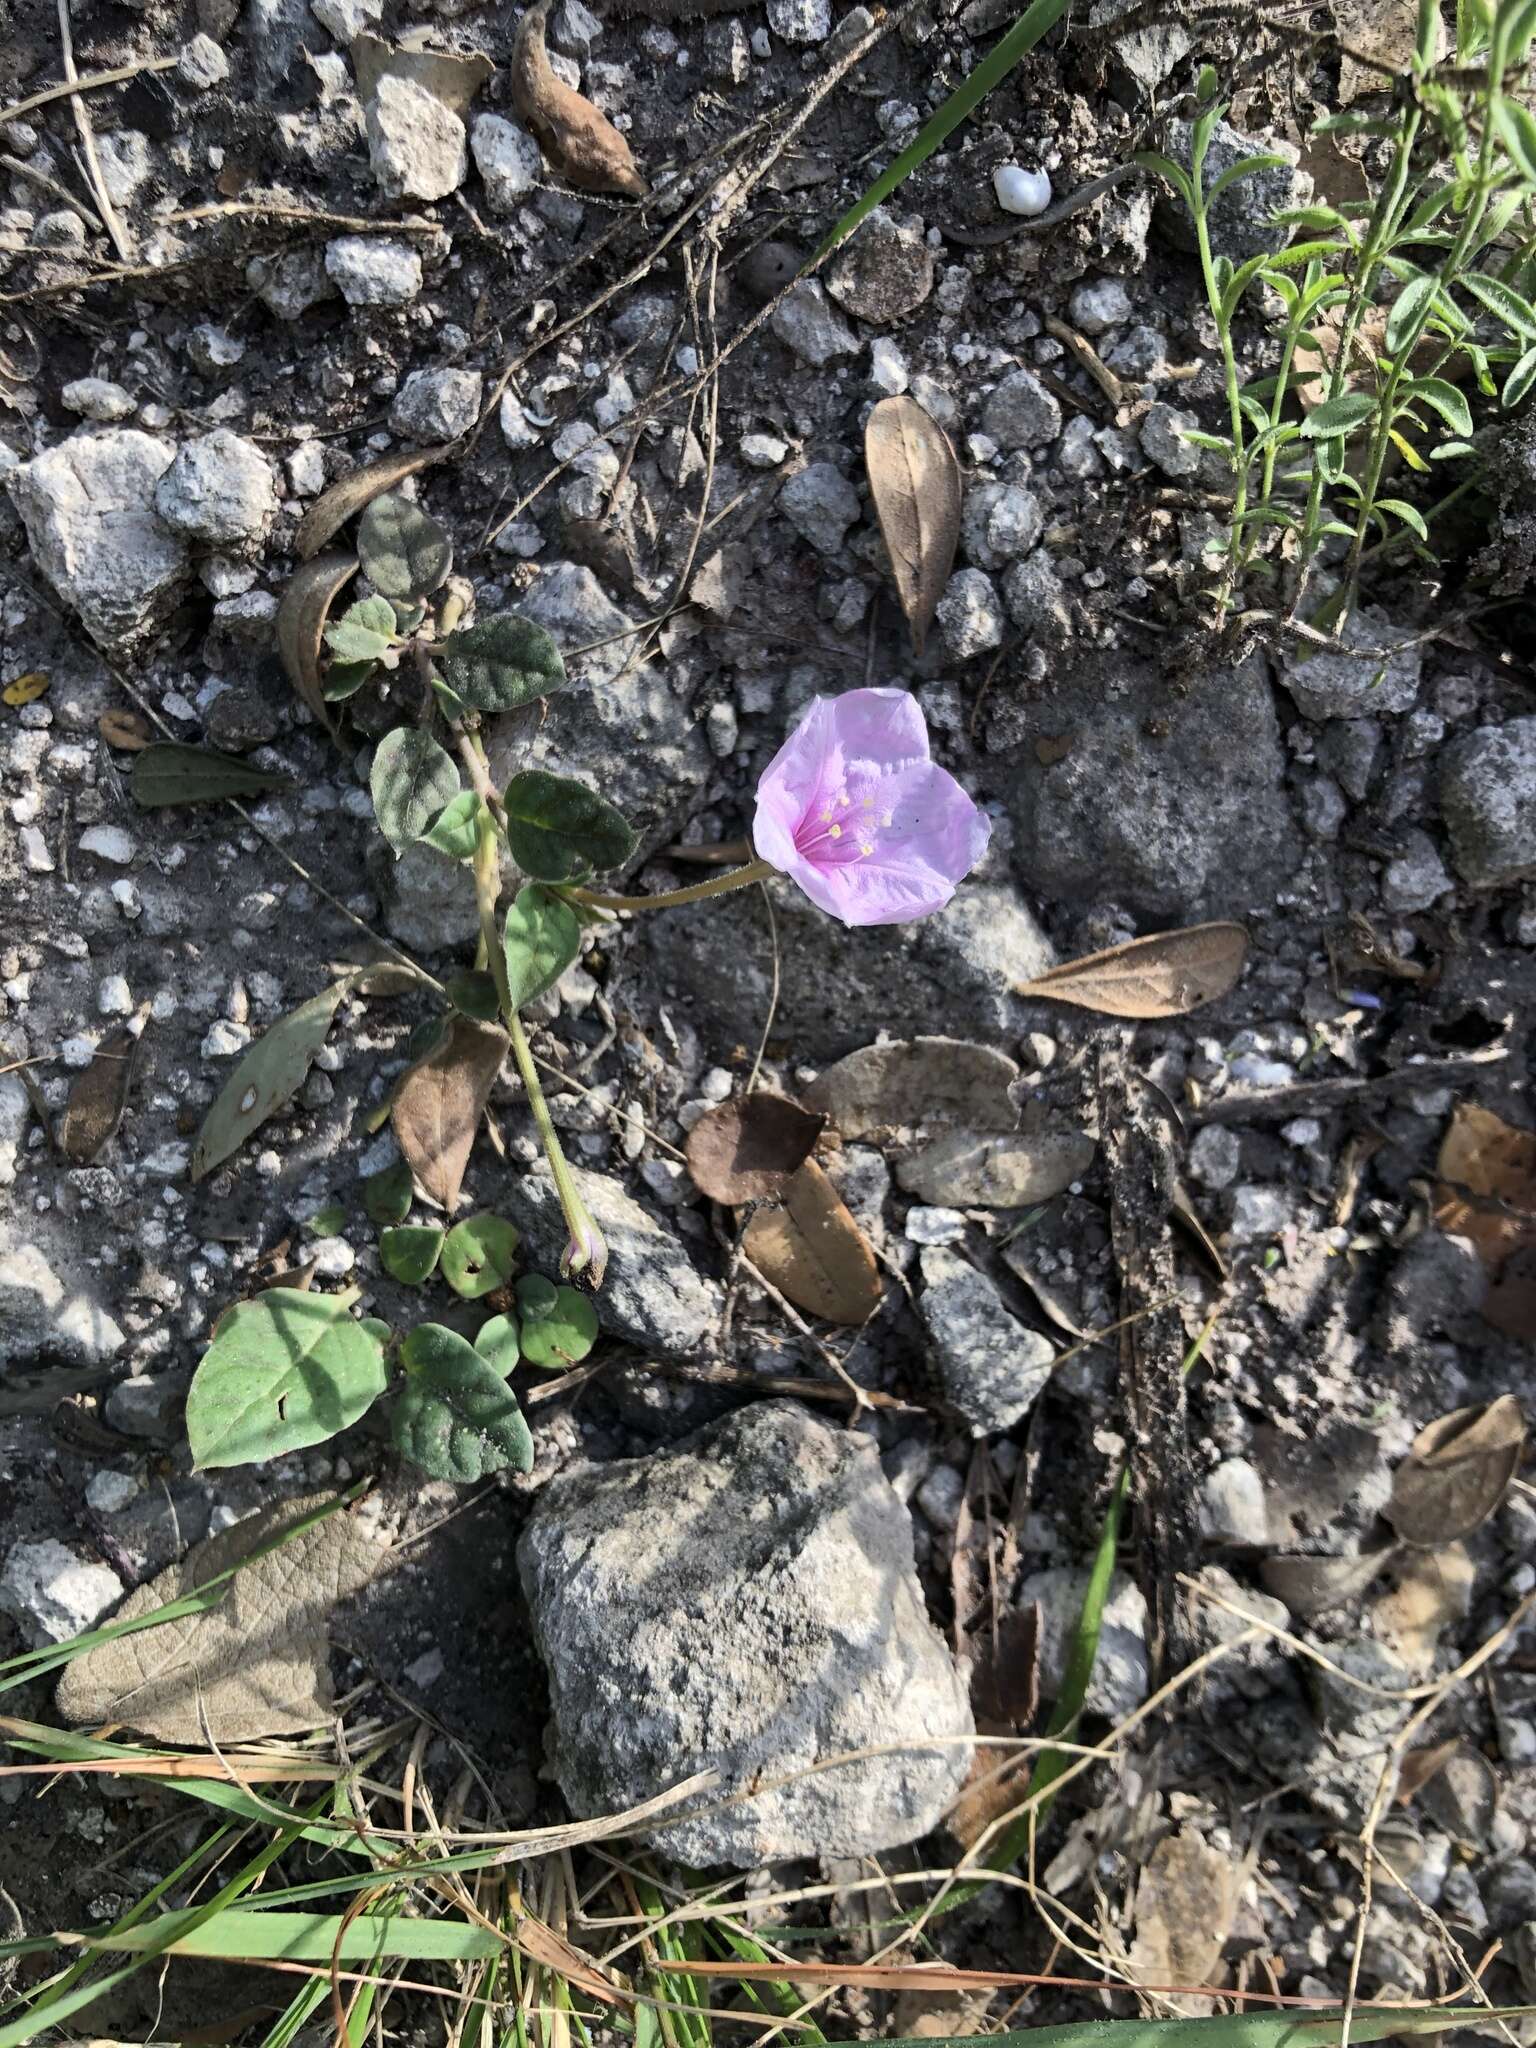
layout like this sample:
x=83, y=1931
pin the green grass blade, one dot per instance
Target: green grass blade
x=1036, y=20
x=1292, y=2029
x=240, y=1934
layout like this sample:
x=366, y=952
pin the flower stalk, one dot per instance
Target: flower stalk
x=671, y=899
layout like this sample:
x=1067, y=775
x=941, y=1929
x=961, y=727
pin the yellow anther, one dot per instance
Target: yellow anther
x=836, y=832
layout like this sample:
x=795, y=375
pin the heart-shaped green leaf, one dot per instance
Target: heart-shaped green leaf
x=405, y=553
x=479, y=1254
x=284, y=1371
x=537, y=1296
x=542, y=938
x=497, y=1343
x=410, y=1251
x=505, y=662
x=413, y=779
x=387, y=1194
x=562, y=1334
x=364, y=632
x=456, y=1417
x=474, y=994
x=559, y=829
x=456, y=829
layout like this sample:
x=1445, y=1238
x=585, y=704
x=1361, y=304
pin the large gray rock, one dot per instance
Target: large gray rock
x=47, y=1316
x=1241, y=220
x=618, y=725
x=652, y=1295
x=839, y=986
x=418, y=147
x=1348, y=685
x=990, y=1365
x=746, y=1603
x=1192, y=823
x=1488, y=794
x=89, y=509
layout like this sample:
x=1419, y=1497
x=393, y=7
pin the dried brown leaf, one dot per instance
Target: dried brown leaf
x=256, y=1664
x=301, y=621
x=125, y=730
x=917, y=1082
x=810, y=1249
x=1185, y=1898
x=745, y=1150
x=351, y=493
x=453, y=80
x=915, y=482
x=1310, y=1586
x=1457, y=1473
x=1005, y=1678
x=1419, y=1766
x=438, y=1107
x=1188, y=1217
x=995, y=1169
x=98, y=1097
x=1463, y=1796
x=1487, y=1170
x=1166, y=975
x=578, y=142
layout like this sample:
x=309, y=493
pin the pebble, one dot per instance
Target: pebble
x=762, y=451
x=1488, y=794
x=813, y=329
x=108, y=1492
x=108, y=842
x=821, y=505
x=54, y=1594
x=1021, y=413
x=887, y=367
x=97, y=398
x=928, y=1225
x=1098, y=304
x=991, y=1367
x=372, y=270
x=1415, y=877
x=1037, y=600
x=885, y=272
x=1259, y=1213
x=1215, y=1155
x=801, y=21
x=416, y=144
x=290, y=284
x=970, y=614
x=437, y=405
x=508, y=160
x=202, y=63
x=114, y=998
x=220, y=488
x=1020, y=191
x=1232, y=1507
x=1163, y=443
x=144, y=1407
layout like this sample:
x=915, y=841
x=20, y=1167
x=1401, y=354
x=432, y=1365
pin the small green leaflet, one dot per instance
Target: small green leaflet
x=474, y=994
x=412, y=781
x=1502, y=300
x=172, y=774
x=1410, y=303
x=1335, y=416
x=505, y=662
x=1445, y=399
x=387, y=1193
x=270, y=1073
x=1410, y=515
x=343, y=679
x=409, y=1251
x=497, y=1343
x=283, y=1371
x=560, y=1335
x=456, y=829
x=1520, y=379
x=559, y=829
x=456, y=1417
x=405, y=553
x=479, y=1255
x=542, y=938
x=364, y=632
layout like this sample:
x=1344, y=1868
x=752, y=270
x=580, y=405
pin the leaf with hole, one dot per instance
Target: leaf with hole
x=809, y=1247
x=270, y=1073
x=334, y=507
x=1335, y=417
x=284, y=1371
x=1457, y=1473
x=98, y=1097
x=914, y=480
x=558, y=829
x=404, y=552
x=541, y=937
x=409, y=1252
x=168, y=773
x=413, y=779
x=561, y=1335
x=479, y=1254
x=497, y=1342
x=254, y=1663
x=301, y=618
x=456, y=1417
x=456, y=828
x=387, y=1194
x=439, y=1104
x=1165, y=975
x=366, y=631
x=745, y=1149
x=505, y=662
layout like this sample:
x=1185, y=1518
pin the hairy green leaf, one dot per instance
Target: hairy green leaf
x=343, y=679
x=1408, y=308
x=542, y=938
x=409, y=1251
x=1336, y=416
x=456, y=1417
x=1520, y=379
x=479, y=1254
x=283, y=1371
x=387, y=1194
x=1504, y=302
x=505, y=662
x=269, y=1074
x=1445, y=399
x=405, y=553
x=1517, y=129
x=456, y=829
x=364, y=632
x=1410, y=515
x=558, y=829
x=172, y=774
x=474, y=993
x=412, y=780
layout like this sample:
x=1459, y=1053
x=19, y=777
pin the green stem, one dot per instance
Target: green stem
x=1230, y=379
x=669, y=899
x=586, y=1253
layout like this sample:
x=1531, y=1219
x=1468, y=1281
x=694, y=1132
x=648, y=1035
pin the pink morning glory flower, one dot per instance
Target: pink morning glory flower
x=852, y=809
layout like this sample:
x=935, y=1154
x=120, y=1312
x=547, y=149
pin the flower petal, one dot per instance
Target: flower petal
x=881, y=727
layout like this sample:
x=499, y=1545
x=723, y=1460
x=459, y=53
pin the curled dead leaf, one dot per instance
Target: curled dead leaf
x=1487, y=1171
x=914, y=480
x=809, y=1247
x=917, y=1082
x=98, y=1097
x=745, y=1149
x=439, y=1104
x=1457, y=1473
x=995, y=1169
x=301, y=618
x=1186, y=1896
x=1166, y=975
x=578, y=142
x=351, y=493
x=125, y=730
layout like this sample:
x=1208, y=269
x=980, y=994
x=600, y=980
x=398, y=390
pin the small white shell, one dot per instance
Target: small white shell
x=1021, y=191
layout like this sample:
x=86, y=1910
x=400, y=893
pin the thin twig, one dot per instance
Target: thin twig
x=120, y=238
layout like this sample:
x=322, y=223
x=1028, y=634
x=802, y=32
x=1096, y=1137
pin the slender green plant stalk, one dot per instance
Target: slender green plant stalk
x=670, y=899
